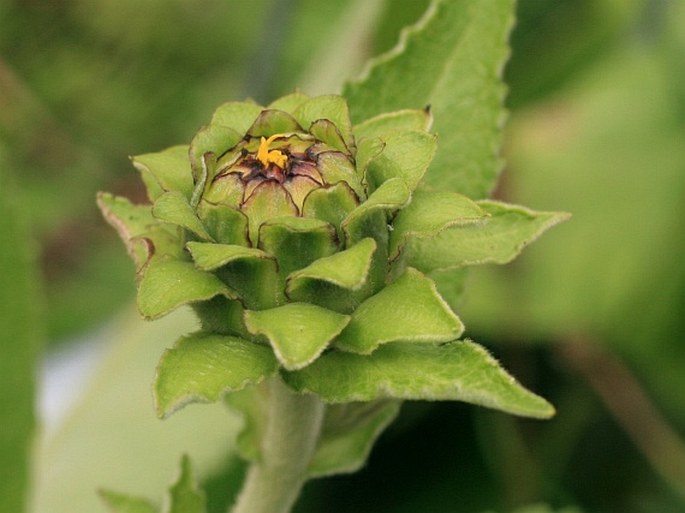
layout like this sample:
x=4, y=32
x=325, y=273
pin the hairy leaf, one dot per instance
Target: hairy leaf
x=453, y=58
x=348, y=434
x=169, y=283
x=498, y=239
x=460, y=371
x=298, y=332
x=409, y=309
x=202, y=367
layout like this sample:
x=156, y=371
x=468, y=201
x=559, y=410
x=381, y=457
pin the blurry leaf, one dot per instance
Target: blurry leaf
x=458, y=371
x=20, y=335
x=348, y=434
x=184, y=496
x=122, y=503
x=114, y=422
x=453, y=59
x=202, y=367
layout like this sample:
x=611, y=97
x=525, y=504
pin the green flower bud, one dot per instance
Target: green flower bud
x=301, y=241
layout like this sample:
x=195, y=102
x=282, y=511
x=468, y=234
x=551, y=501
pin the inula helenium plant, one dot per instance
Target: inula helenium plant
x=306, y=246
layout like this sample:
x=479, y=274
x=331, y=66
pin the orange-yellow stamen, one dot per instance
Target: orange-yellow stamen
x=267, y=157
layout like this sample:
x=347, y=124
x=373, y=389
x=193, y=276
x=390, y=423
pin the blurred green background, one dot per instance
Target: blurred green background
x=591, y=316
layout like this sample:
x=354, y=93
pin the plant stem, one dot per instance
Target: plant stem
x=289, y=439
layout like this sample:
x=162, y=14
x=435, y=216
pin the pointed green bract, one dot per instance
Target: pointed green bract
x=224, y=224
x=137, y=228
x=331, y=204
x=239, y=116
x=458, y=371
x=271, y=121
x=250, y=272
x=269, y=200
x=185, y=495
x=173, y=207
x=330, y=107
x=347, y=269
x=348, y=434
x=289, y=102
x=209, y=256
x=409, y=309
x=389, y=123
x=430, y=213
x=498, y=239
x=297, y=241
x=170, y=170
x=405, y=155
x=324, y=130
x=298, y=332
x=338, y=282
x=202, y=367
x=169, y=283
x=454, y=56
x=121, y=503
x=392, y=195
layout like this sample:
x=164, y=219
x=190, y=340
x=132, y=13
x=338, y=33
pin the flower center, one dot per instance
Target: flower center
x=266, y=156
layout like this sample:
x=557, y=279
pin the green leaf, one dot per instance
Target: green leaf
x=346, y=269
x=360, y=223
x=141, y=233
x=330, y=281
x=121, y=503
x=170, y=170
x=453, y=59
x=173, y=207
x=271, y=122
x=405, y=155
x=269, y=200
x=324, y=130
x=331, y=204
x=348, y=434
x=202, y=367
x=389, y=123
x=430, y=213
x=251, y=403
x=169, y=283
x=498, y=239
x=209, y=256
x=112, y=421
x=184, y=495
x=330, y=107
x=224, y=224
x=298, y=332
x=458, y=371
x=289, y=102
x=21, y=332
x=297, y=241
x=250, y=272
x=409, y=309
x=237, y=115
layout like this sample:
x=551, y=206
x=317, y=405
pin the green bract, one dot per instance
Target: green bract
x=306, y=246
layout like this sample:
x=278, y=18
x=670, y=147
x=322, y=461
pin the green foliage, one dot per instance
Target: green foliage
x=21, y=334
x=461, y=371
x=572, y=143
x=454, y=57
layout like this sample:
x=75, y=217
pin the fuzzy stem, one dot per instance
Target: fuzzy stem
x=292, y=431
